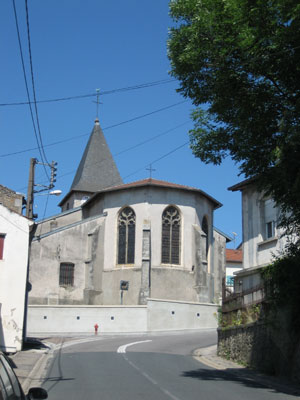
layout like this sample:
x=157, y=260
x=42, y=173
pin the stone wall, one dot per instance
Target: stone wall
x=10, y=199
x=272, y=348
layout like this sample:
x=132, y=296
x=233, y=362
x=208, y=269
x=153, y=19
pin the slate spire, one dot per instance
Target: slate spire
x=97, y=169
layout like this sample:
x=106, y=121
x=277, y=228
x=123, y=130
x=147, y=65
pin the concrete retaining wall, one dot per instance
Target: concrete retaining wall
x=158, y=315
x=176, y=315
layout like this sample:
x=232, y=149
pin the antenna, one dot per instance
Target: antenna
x=234, y=238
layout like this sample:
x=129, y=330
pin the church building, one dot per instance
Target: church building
x=116, y=243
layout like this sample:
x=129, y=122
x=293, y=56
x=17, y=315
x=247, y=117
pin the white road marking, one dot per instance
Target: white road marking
x=122, y=349
x=150, y=379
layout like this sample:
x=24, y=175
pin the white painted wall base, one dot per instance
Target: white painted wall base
x=158, y=315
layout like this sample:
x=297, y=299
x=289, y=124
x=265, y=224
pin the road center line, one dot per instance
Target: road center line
x=150, y=379
x=122, y=349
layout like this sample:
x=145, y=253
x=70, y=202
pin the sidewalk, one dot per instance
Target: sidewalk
x=30, y=363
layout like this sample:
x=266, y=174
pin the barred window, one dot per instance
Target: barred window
x=205, y=230
x=126, y=236
x=170, y=248
x=66, y=274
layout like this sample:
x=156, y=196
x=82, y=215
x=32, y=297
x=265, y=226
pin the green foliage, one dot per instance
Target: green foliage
x=282, y=283
x=239, y=62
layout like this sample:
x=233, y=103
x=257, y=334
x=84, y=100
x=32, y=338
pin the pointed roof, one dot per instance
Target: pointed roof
x=97, y=169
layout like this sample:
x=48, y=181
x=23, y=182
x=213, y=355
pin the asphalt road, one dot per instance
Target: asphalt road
x=156, y=367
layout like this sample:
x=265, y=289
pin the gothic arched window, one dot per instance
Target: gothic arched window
x=126, y=235
x=205, y=230
x=170, y=248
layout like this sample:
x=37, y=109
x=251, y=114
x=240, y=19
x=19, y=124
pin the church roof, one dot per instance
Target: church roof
x=97, y=169
x=157, y=183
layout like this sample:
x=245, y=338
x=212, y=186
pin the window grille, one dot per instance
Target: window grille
x=171, y=221
x=126, y=236
x=66, y=274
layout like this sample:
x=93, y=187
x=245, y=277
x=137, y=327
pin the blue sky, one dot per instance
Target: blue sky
x=77, y=47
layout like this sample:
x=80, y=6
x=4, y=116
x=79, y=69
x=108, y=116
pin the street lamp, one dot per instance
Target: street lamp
x=52, y=193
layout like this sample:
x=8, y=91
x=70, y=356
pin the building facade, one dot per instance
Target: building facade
x=116, y=243
x=262, y=238
x=14, y=242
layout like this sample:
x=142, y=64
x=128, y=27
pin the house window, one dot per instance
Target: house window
x=66, y=274
x=2, y=237
x=205, y=230
x=170, y=249
x=126, y=236
x=270, y=229
x=269, y=218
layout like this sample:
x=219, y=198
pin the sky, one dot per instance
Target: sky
x=120, y=48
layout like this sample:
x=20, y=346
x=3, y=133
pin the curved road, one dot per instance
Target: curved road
x=159, y=367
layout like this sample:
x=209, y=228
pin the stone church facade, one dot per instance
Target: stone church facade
x=116, y=243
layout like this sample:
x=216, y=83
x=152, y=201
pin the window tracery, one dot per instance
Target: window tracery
x=126, y=236
x=171, y=222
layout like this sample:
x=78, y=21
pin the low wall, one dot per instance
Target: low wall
x=81, y=319
x=176, y=315
x=157, y=315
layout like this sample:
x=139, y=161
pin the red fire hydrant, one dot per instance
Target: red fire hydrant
x=96, y=326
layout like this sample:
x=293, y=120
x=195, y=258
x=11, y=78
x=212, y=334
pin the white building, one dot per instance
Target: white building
x=262, y=239
x=154, y=238
x=234, y=263
x=14, y=241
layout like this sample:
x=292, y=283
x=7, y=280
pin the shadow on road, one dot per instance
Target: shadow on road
x=242, y=378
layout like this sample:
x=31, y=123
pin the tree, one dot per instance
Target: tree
x=239, y=63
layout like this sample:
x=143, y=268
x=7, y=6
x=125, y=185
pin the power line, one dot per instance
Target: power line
x=158, y=159
x=26, y=83
x=98, y=163
x=86, y=134
x=44, y=158
x=131, y=148
x=125, y=89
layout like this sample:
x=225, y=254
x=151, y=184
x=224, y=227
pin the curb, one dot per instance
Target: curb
x=37, y=372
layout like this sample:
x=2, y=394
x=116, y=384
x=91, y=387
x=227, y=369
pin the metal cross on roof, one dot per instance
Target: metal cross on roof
x=150, y=169
x=97, y=102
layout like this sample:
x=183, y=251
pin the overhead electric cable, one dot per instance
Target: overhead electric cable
x=130, y=148
x=158, y=159
x=125, y=89
x=26, y=84
x=44, y=158
x=86, y=134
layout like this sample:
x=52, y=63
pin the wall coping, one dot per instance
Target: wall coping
x=83, y=306
x=182, y=302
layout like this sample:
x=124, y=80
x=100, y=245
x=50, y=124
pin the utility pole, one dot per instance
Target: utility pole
x=29, y=205
x=32, y=185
